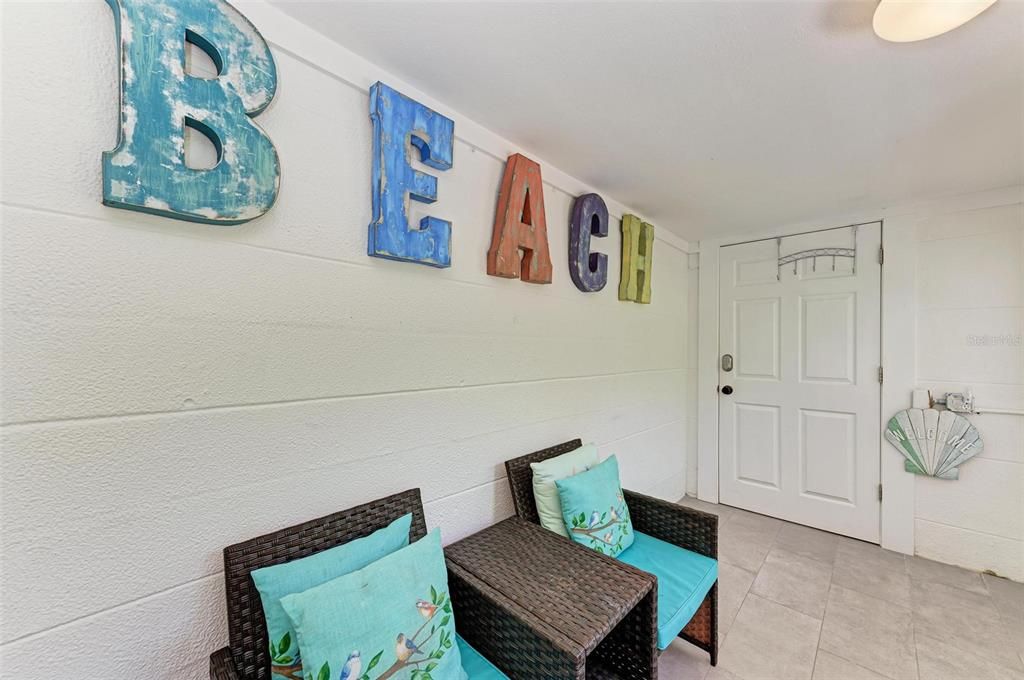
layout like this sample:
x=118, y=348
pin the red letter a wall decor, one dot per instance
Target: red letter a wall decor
x=519, y=225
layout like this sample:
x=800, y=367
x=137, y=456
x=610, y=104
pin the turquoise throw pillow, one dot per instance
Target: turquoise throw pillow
x=275, y=582
x=594, y=511
x=391, y=619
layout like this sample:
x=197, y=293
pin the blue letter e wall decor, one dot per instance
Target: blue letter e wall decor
x=399, y=124
x=147, y=171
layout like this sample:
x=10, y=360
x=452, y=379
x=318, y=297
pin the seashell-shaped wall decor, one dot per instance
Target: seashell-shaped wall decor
x=934, y=442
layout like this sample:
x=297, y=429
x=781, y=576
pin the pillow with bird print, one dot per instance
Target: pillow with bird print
x=391, y=619
x=594, y=510
x=275, y=582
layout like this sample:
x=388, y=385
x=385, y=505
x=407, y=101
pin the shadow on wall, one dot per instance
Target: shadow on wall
x=847, y=17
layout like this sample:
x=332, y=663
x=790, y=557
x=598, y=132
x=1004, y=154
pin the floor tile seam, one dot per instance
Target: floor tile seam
x=953, y=640
x=840, y=654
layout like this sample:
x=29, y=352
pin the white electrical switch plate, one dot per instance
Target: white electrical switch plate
x=960, y=402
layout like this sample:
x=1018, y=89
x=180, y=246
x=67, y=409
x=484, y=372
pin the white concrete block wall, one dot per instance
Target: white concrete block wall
x=171, y=388
x=970, y=316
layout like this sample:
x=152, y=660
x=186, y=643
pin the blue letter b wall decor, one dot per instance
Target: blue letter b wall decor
x=147, y=170
x=400, y=123
x=589, y=271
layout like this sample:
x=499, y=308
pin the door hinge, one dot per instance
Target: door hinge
x=879, y=493
x=881, y=375
x=881, y=255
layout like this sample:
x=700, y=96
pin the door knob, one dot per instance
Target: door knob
x=726, y=389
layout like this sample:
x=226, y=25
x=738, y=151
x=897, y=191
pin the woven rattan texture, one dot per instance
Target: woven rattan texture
x=605, y=607
x=247, y=629
x=517, y=642
x=682, y=526
x=512, y=638
x=520, y=478
x=222, y=666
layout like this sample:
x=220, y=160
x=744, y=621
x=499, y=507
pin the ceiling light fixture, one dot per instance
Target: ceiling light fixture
x=910, y=20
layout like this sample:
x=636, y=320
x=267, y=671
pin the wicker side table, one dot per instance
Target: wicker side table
x=604, y=611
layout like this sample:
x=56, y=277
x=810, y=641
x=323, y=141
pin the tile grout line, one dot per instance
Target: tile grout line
x=822, y=626
x=745, y=595
x=905, y=571
x=1004, y=619
x=909, y=573
x=824, y=613
x=839, y=654
x=955, y=642
x=913, y=642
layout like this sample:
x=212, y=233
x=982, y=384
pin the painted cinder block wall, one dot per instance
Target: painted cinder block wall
x=970, y=324
x=171, y=388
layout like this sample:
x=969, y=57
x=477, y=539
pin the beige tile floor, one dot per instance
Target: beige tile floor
x=800, y=604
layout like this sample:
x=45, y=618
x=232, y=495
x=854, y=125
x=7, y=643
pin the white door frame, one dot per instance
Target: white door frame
x=899, y=330
x=845, y=398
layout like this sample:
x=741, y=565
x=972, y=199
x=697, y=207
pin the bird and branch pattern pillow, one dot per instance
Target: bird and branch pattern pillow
x=392, y=619
x=605, y=532
x=275, y=582
x=284, y=660
x=594, y=510
x=419, y=652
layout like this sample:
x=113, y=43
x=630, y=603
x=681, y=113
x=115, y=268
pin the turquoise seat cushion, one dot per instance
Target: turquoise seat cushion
x=684, y=579
x=391, y=618
x=296, y=576
x=475, y=665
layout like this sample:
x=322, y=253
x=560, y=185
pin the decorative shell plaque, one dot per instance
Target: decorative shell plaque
x=934, y=442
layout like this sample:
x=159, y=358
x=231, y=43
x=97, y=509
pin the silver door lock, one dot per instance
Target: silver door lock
x=726, y=362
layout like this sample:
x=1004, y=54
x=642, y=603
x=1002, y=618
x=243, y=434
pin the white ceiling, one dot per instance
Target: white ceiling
x=717, y=117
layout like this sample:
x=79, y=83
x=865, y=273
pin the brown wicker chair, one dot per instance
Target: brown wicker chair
x=510, y=638
x=685, y=527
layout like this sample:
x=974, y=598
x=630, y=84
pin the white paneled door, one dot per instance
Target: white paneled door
x=799, y=405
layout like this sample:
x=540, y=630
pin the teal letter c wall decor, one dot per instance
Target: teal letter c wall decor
x=147, y=169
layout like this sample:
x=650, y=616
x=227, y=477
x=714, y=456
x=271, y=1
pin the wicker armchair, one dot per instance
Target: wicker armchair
x=510, y=638
x=681, y=526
